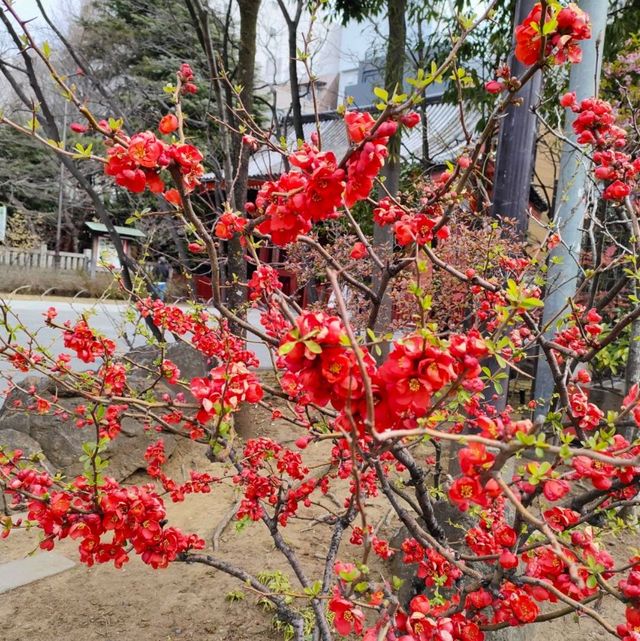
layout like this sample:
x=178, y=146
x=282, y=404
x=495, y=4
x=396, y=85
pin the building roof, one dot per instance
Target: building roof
x=122, y=231
x=445, y=136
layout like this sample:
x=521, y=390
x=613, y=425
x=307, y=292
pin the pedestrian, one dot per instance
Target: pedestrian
x=161, y=277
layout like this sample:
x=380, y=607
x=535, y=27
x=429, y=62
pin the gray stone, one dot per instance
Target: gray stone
x=189, y=361
x=59, y=438
x=455, y=524
x=32, y=568
x=13, y=440
x=608, y=398
x=61, y=441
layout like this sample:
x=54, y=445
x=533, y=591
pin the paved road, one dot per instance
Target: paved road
x=109, y=318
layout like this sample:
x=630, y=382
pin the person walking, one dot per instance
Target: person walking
x=161, y=277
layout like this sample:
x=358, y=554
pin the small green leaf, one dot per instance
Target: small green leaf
x=285, y=348
x=381, y=93
x=313, y=347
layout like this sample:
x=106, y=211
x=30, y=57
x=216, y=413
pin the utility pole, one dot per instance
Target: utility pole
x=572, y=196
x=516, y=142
x=514, y=165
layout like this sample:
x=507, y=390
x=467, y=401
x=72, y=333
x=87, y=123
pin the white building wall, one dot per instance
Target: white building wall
x=337, y=51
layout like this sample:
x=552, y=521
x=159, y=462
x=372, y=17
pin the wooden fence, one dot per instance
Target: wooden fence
x=43, y=258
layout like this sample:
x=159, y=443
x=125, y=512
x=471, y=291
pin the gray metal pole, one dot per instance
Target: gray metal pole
x=514, y=161
x=572, y=193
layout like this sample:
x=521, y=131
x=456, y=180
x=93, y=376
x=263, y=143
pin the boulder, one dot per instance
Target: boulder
x=454, y=523
x=13, y=440
x=59, y=438
x=189, y=361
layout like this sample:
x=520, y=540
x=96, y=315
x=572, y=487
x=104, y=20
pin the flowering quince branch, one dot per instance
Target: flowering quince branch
x=530, y=539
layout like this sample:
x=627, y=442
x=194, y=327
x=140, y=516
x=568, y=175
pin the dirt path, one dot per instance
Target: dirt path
x=184, y=603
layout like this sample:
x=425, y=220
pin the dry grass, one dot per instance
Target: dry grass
x=62, y=283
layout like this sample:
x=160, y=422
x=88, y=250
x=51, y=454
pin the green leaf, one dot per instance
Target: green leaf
x=46, y=50
x=285, y=348
x=530, y=303
x=314, y=590
x=313, y=347
x=349, y=576
x=381, y=93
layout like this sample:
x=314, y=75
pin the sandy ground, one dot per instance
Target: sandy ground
x=177, y=604
x=185, y=603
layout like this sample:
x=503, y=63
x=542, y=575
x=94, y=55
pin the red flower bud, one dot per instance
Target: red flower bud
x=569, y=99
x=168, y=124
x=173, y=196
x=493, y=86
x=410, y=119
x=359, y=251
x=508, y=560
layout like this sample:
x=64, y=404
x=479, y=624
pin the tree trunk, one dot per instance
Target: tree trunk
x=393, y=80
x=516, y=143
x=296, y=107
x=236, y=265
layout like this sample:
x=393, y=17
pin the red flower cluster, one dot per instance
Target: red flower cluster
x=315, y=352
x=199, y=482
x=347, y=617
x=602, y=474
x=113, y=379
x=229, y=224
x=263, y=287
x=419, y=229
x=579, y=333
x=589, y=415
x=366, y=161
x=264, y=282
x=387, y=212
x=571, y=25
x=418, y=367
x=426, y=622
x=217, y=341
x=319, y=186
x=434, y=567
x=226, y=387
x=86, y=343
x=136, y=162
x=595, y=126
x=299, y=198
x=516, y=607
x=108, y=523
x=186, y=76
x=273, y=474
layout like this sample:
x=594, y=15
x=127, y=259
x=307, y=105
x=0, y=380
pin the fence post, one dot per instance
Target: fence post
x=42, y=259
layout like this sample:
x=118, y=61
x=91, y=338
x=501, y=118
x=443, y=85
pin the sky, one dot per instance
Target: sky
x=55, y=8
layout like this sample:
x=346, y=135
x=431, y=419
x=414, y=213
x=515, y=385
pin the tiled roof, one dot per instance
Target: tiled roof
x=446, y=139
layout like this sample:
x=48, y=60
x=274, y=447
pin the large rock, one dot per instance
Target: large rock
x=455, y=524
x=190, y=362
x=61, y=441
x=12, y=440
